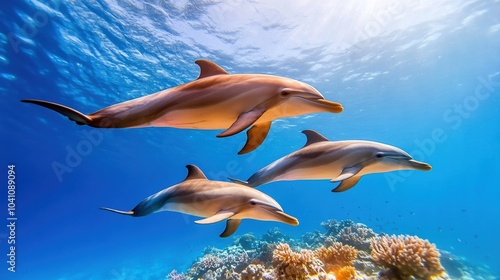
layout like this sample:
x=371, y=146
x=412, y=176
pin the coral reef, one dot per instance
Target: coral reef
x=357, y=235
x=253, y=272
x=313, y=240
x=407, y=256
x=295, y=265
x=174, y=275
x=333, y=227
x=345, y=251
x=345, y=273
x=227, y=264
x=337, y=254
x=247, y=241
x=338, y=259
x=275, y=236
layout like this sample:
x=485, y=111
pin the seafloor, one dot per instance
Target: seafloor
x=342, y=250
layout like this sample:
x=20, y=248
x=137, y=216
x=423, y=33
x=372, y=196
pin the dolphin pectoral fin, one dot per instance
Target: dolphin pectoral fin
x=231, y=226
x=347, y=184
x=219, y=216
x=242, y=122
x=255, y=137
x=348, y=172
x=130, y=213
x=72, y=114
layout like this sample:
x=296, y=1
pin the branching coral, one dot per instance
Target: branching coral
x=338, y=258
x=336, y=255
x=357, y=235
x=221, y=264
x=174, y=275
x=407, y=256
x=253, y=271
x=295, y=265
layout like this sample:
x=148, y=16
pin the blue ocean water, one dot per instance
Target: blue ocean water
x=418, y=75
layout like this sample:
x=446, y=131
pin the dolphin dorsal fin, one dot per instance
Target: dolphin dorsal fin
x=208, y=68
x=194, y=173
x=313, y=137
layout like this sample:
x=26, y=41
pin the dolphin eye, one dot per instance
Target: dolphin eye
x=379, y=155
x=285, y=93
x=253, y=203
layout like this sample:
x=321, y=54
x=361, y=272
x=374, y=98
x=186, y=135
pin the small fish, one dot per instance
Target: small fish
x=216, y=201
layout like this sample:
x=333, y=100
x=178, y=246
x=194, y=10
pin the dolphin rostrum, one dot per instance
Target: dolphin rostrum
x=215, y=200
x=339, y=161
x=215, y=100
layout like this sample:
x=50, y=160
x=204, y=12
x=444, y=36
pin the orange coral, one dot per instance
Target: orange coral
x=407, y=256
x=345, y=273
x=338, y=258
x=337, y=255
x=295, y=265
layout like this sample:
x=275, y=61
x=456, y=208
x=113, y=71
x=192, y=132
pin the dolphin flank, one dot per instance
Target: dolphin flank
x=340, y=161
x=215, y=100
x=214, y=200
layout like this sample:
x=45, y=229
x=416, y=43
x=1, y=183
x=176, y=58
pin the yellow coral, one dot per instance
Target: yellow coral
x=345, y=273
x=407, y=256
x=336, y=255
x=295, y=265
x=338, y=258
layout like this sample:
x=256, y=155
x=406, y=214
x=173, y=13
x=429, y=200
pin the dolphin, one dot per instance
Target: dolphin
x=215, y=100
x=216, y=201
x=339, y=161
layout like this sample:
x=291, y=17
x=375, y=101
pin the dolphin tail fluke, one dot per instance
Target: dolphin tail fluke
x=72, y=114
x=238, y=181
x=130, y=213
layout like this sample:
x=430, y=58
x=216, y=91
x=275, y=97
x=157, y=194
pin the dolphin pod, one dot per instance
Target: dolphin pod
x=233, y=103
x=215, y=200
x=339, y=161
x=215, y=100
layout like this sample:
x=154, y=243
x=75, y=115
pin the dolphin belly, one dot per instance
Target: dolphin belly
x=310, y=173
x=195, y=119
x=200, y=207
